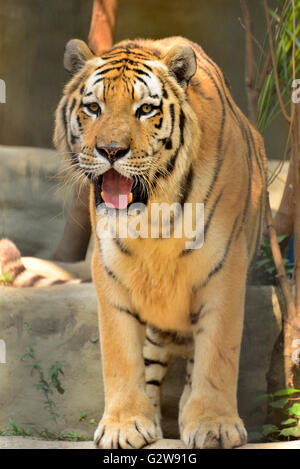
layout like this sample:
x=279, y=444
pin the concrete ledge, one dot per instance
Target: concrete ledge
x=17, y=442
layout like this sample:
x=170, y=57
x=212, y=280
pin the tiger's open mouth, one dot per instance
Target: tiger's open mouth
x=118, y=191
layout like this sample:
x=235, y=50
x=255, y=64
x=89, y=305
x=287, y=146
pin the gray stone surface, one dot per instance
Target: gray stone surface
x=63, y=322
x=262, y=326
x=32, y=208
x=34, y=443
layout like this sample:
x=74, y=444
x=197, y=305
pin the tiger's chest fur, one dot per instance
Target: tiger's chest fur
x=160, y=292
x=158, y=277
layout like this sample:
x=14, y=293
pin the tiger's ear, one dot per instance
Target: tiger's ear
x=181, y=61
x=76, y=54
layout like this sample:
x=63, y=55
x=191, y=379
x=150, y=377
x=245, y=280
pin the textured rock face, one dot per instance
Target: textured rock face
x=32, y=209
x=63, y=327
x=17, y=442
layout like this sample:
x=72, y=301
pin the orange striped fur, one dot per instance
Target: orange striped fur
x=156, y=298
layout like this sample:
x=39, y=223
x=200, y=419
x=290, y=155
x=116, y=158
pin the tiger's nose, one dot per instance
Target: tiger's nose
x=112, y=152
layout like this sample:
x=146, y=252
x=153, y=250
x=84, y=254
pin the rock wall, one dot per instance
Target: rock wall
x=63, y=327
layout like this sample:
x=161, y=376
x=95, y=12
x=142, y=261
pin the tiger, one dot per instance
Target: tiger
x=145, y=123
x=23, y=272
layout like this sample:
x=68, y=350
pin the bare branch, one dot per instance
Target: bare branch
x=250, y=65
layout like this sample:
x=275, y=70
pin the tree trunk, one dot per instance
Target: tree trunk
x=76, y=236
x=292, y=325
x=284, y=218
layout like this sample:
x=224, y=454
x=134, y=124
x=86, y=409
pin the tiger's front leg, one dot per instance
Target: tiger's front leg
x=128, y=420
x=209, y=417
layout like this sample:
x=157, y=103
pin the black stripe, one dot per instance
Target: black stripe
x=172, y=161
x=258, y=162
x=121, y=246
x=65, y=121
x=64, y=116
x=259, y=228
x=107, y=70
x=165, y=93
x=186, y=185
x=73, y=138
x=181, y=126
x=250, y=170
x=172, y=114
x=111, y=273
x=158, y=126
x=78, y=122
x=138, y=71
x=219, y=159
x=221, y=262
x=144, y=83
x=173, y=337
x=98, y=80
x=72, y=105
x=134, y=315
x=154, y=382
x=212, y=211
x=149, y=362
x=194, y=317
x=153, y=342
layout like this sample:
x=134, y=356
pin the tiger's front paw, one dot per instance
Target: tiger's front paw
x=214, y=432
x=132, y=433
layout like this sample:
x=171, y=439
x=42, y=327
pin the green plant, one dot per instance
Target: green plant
x=284, y=407
x=15, y=430
x=82, y=416
x=284, y=40
x=264, y=270
x=6, y=279
x=46, y=434
x=47, y=385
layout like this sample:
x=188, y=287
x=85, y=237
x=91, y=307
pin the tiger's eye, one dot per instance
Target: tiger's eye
x=93, y=107
x=146, y=108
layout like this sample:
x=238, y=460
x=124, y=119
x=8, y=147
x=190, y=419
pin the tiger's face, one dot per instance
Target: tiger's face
x=123, y=117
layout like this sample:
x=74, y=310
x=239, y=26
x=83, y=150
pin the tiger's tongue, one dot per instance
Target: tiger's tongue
x=116, y=189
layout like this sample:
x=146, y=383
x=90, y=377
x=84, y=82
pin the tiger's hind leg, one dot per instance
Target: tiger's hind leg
x=156, y=357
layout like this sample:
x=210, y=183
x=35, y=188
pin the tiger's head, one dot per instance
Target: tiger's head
x=122, y=118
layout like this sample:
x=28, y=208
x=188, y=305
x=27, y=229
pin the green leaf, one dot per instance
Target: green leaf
x=279, y=404
x=286, y=392
x=294, y=409
x=291, y=431
x=82, y=416
x=13, y=424
x=289, y=421
x=281, y=238
x=268, y=429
